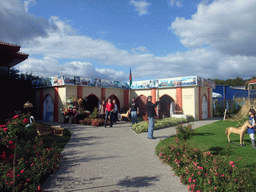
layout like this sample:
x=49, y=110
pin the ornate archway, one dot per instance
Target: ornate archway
x=164, y=106
x=204, y=107
x=142, y=100
x=91, y=103
x=48, y=108
x=112, y=97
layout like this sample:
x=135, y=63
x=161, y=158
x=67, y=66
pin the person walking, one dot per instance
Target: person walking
x=109, y=112
x=150, y=107
x=134, y=109
x=115, y=111
x=102, y=110
x=251, y=130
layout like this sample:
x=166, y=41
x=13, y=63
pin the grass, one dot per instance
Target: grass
x=212, y=138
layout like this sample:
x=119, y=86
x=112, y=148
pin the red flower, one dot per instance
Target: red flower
x=18, y=175
x=16, y=116
x=25, y=120
x=38, y=188
x=28, y=179
x=5, y=129
x=231, y=162
x=11, y=142
x=11, y=156
x=22, y=171
x=2, y=126
x=12, y=147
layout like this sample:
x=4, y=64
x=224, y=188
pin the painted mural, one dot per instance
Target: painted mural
x=173, y=82
x=158, y=83
x=77, y=80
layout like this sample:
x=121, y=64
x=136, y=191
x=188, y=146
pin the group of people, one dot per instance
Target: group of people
x=110, y=111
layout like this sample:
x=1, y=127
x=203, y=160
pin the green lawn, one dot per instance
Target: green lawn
x=212, y=138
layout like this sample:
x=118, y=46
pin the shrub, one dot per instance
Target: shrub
x=184, y=132
x=86, y=121
x=98, y=122
x=202, y=171
x=24, y=159
x=94, y=114
x=160, y=123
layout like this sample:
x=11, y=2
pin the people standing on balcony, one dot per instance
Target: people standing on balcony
x=134, y=109
x=115, y=111
x=109, y=112
x=150, y=107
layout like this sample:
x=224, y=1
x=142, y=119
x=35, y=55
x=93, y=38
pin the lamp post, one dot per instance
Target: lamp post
x=28, y=105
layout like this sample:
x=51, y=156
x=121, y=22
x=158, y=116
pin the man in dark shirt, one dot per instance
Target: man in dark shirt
x=134, y=109
x=150, y=107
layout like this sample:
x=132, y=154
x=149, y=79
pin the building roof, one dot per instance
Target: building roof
x=252, y=81
x=10, y=55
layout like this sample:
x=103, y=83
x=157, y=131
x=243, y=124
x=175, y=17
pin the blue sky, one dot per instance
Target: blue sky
x=156, y=38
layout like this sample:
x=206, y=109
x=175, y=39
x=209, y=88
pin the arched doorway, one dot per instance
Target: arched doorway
x=204, y=107
x=164, y=106
x=48, y=108
x=112, y=97
x=142, y=100
x=91, y=102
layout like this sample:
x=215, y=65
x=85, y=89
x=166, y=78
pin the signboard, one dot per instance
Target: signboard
x=146, y=84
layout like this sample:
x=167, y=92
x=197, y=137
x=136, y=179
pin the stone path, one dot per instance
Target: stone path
x=114, y=160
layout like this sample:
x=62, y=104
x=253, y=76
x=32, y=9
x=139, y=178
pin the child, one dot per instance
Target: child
x=251, y=130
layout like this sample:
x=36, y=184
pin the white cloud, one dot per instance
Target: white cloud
x=141, y=6
x=17, y=25
x=48, y=67
x=228, y=26
x=175, y=3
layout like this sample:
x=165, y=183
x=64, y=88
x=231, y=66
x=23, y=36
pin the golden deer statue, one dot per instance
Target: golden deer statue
x=240, y=131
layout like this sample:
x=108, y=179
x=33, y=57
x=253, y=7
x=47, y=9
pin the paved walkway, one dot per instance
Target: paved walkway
x=114, y=160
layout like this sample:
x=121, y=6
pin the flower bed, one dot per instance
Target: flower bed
x=159, y=124
x=200, y=170
x=26, y=160
x=93, y=122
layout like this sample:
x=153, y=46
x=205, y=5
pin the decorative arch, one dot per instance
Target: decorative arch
x=204, y=107
x=112, y=97
x=165, y=105
x=48, y=108
x=142, y=101
x=91, y=103
x=239, y=93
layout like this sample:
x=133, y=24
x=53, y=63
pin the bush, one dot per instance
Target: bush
x=94, y=114
x=98, y=122
x=160, y=123
x=201, y=171
x=24, y=159
x=184, y=132
x=86, y=121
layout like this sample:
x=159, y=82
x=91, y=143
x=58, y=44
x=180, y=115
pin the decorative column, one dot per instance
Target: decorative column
x=179, y=98
x=209, y=103
x=126, y=98
x=41, y=104
x=200, y=103
x=56, y=104
x=153, y=94
x=103, y=94
x=79, y=92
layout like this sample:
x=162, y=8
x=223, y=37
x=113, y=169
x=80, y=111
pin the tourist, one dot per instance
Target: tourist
x=150, y=107
x=251, y=130
x=115, y=111
x=102, y=110
x=109, y=112
x=134, y=109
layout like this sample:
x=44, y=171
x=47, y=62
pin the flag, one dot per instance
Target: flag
x=130, y=78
